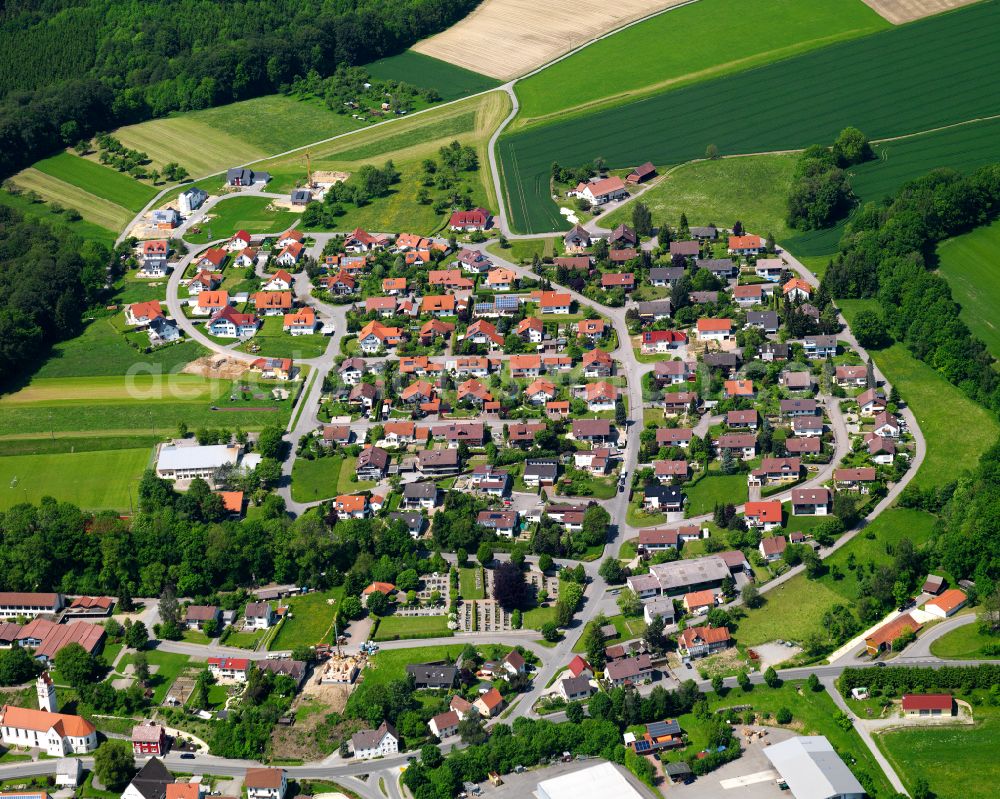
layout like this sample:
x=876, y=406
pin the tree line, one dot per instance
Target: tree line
x=71, y=69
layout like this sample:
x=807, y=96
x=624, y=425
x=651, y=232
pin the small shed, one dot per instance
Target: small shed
x=933, y=584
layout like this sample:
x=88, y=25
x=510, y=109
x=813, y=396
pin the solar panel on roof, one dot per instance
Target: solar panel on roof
x=642, y=746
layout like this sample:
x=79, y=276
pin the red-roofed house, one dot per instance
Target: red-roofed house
x=714, y=329
x=601, y=191
x=746, y=245
x=229, y=670
x=765, y=515
x=469, y=221
x=696, y=642
x=142, y=313
x=928, y=705
x=579, y=667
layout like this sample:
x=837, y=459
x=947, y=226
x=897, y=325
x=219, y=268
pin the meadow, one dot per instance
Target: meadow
x=686, y=45
x=394, y=627
x=965, y=643
x=92, y=480
x=275, y=343
x=923, y=81
x=311, y=622
x=254, y=214
x=96, y=210
x=954, y=759
x=315, y=479
x=969, y=264
x=417, y=69
x=752, y=189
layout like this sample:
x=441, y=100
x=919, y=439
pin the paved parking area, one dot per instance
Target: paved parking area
x=750, y=777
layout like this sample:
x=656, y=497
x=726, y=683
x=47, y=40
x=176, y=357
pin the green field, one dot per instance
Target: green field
x=970, y=265
x=311, y=621
x=956, y=761
x=688, y=44
x=112, y=185
x=936, y=403
x=393, y=627
x=274, y=342
x=170, y=666
x=524, y=250
x=752, y=189
x=96, y=210
x=715, y=489
x=92, y=480
x=42, y=211
x=242, y=213
x=390, y=664
x=417, y=69
x=907, y=79
x=965, y=643
x=467, y=583
x=316, y=479
x=963, y=147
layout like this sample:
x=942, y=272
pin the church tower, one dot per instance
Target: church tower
x=46, y=693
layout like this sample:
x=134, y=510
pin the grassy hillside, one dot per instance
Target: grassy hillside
x=112, y=185
x=95, y=209
x=751, y=189
x=707, y=39
x=43, y=211
x=971, y=264
x=417, y=69
x=907, y=79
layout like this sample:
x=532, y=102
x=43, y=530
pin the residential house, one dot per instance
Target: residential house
x=722, y=268
x=474, y=262
x=662, y=606
x=359, y=240
x=375, y=743
x=363, y=394
x=742, y=420
x=739, y=388
x=804, y=446
x=290, y=254
x=811, y=501
x=701, y=641
x=739, y=445
x=197, y=616
x=592, y=329
x=554, y=302
x=164, y=219
x=444, y=725
x=247, y=259
x=928, y=705
x=886, y=425
x=798, y=407
x=340, y=285
x=438, y=462
x=240, y=241
x=473, y=391
x=598, y=363
x=540, y=391
x=596, y=461
x=807, y=426
x=433, y=329
x=211, y=302
x=705, y=233
x=819, y=346
x=714, y=329
x=229, y=670
x=531, y=330
x=375, y=336
x=577, y=240
x=523, y=433
x=764, y=515
x=338, y=434
x=472, y=433
x=450, y=279
x=699, y=603
x=540, y=472
x=882, y=450
x=598, y=191
x=746, y=245
x=768, y=322
x=725, y=362
x=654, y=341
x=142, y=313
x=258, y=616
x=687, y=249
x=242, y=176
x=673, y=372
x=859, y=479
x=373, y=463
x=851, y=376
x=664, y=498
x=484, y=333
x=654, y=311
x=797, y=289
x=776, y=470
x=300, y=323
x=600, y=396
x=622, y=280
x=575, y=689
x=439, y=305
x=668, y=471
x=769, y=268
x=501, y=279
x=432, y=675
x=149, y=739
x=525, y=366
x=592, y=430
x=797, y=381
x=191, y=199
x=677, y=402
x=265, y=783
x=664, y=276
x=272, y=303
x=351, y=506
x=470, y=221
x=629, y=670
x=771, y=549
x=871, y=402
x=279, y=281
x=748, y=296
x=489, y=704
x=227, y=323
x=501, y=522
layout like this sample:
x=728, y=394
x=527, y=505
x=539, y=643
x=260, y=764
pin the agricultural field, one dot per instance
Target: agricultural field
x=255, y=214
x=92, y=480
x=687, y=45
x=417, y=69
x=41, y=210
x=752, y=189
x=962, y=147
x=969, y=264
x=507, y=38
x=954, y=759
x=900, y=11
x=94, y=209
x=923, y=83
x=105, y=182
x=407, y=143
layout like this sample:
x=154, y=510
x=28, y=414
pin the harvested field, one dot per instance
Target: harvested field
x=900, y=11
x=507, y=38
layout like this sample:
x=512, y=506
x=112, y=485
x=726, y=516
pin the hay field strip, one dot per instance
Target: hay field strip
x=507, y=38
x=900, y=81
x=673, y=49
x=105, y=182
x=140, y=387
x=91, y=207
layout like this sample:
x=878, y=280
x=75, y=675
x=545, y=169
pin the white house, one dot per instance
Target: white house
x=599, y=192
x=191, y=200
x=258, y=616
x=444, y=725
x=265, y=783
x=375, y=743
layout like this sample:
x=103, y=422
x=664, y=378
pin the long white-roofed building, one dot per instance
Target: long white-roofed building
x=811, y=769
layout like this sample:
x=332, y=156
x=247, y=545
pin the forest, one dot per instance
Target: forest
x=47, y=277
x=73, y=68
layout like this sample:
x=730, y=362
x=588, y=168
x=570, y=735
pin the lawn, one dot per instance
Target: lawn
x=687, y=45
x=94, y=209
x=936, y=403
x=969, y=263
x=628, y=628
x=535, y=618
x=417, y=69
x=242, y=213
x=923, y=83
x=467, y=587
x=315, y=479
x=93, y=480
x=311, y=620
x=170, y=666
x=955, y=760
x=390, y=664
x=812, y=714
x=43, y=211
x=101, y=350
x=274, y=342
x=105, y=182
x=715, y=489
x=392, y=628
x=965, y=643
x=244, y=640
x=523, y=251
x=35, y=444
